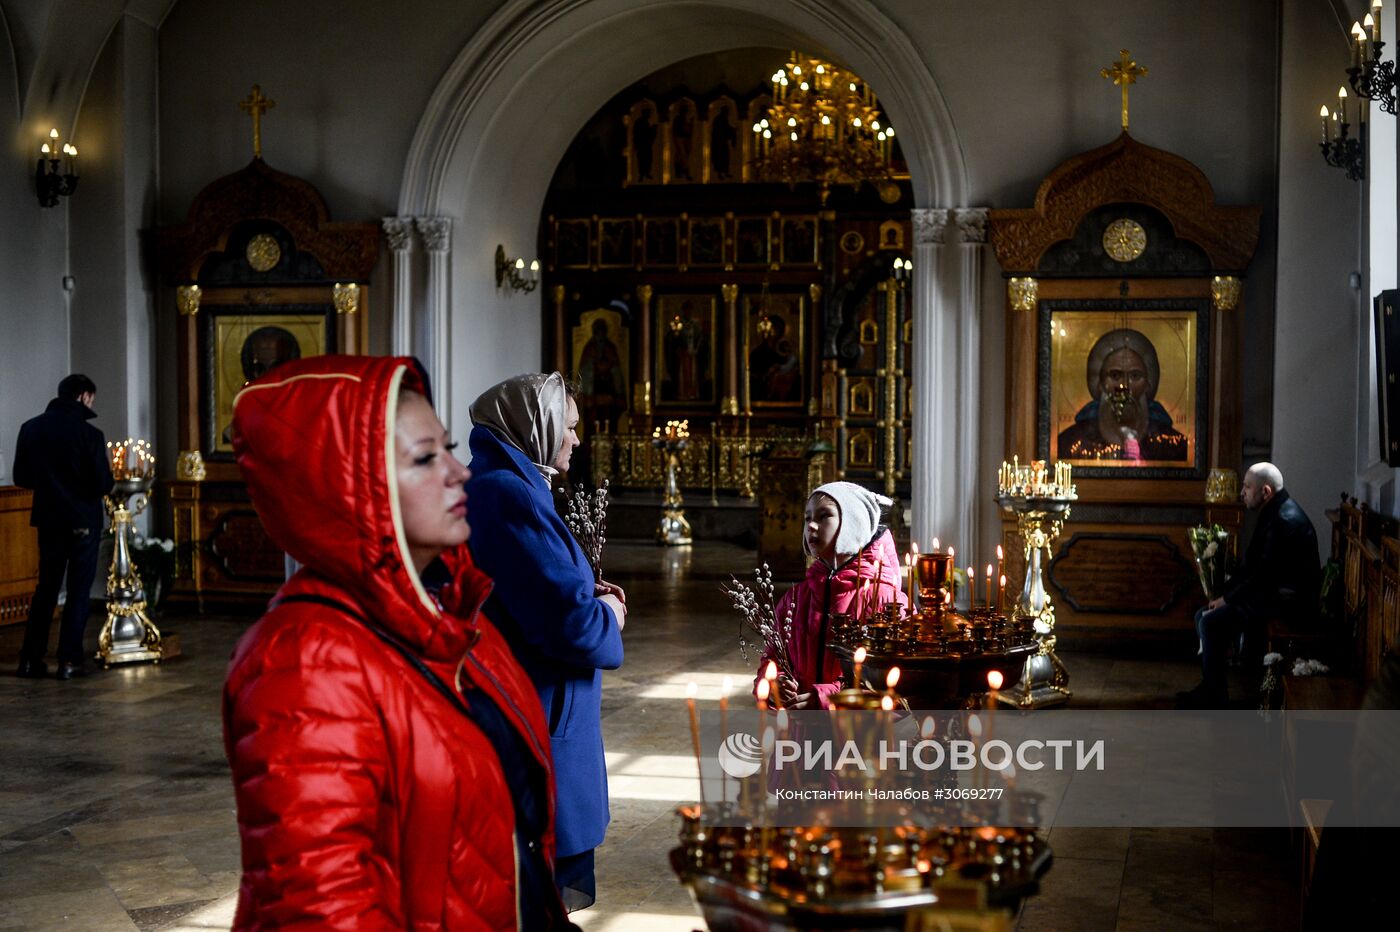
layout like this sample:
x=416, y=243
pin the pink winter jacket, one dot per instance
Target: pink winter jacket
x=849, y=589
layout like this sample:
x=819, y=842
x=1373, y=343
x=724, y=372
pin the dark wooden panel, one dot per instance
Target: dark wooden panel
x=1121, y=573
x=19, y=554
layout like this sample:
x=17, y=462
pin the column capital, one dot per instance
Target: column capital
x=930, y=224
x=436, y=232
x=399, y=232
x=972, y=224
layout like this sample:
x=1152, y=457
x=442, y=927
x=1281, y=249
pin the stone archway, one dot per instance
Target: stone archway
x=502, y=117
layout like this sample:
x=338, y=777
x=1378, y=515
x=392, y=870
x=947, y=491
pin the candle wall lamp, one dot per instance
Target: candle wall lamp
x=1370, y=78
x=513, y=272
x=56, y=174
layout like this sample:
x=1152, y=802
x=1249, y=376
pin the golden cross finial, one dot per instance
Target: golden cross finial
x=1125, y=71
x=255, y=106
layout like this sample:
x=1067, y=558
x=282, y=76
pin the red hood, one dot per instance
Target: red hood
x=314, y=439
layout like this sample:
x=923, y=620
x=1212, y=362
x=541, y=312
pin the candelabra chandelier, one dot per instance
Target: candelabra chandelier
x=824, y=126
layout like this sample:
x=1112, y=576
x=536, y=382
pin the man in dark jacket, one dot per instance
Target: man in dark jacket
x=64, y=460
x=1279, y=578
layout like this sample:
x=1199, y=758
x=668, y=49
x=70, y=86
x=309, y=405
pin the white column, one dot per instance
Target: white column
x=399, y=232
x=968, y=485
x=437, y=239
x=935, y=372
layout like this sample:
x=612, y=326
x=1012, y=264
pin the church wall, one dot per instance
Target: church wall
x=1316, y=350
x=1378, y=481
x=113, y=332
x=33, y=309
x=1020, y=79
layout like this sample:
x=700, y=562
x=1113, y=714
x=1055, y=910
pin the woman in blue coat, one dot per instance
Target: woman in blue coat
x=565, y=629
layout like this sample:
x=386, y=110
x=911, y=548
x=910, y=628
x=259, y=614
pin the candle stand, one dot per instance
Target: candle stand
x=127, y=636
x=1041, y=507
x=673, y=530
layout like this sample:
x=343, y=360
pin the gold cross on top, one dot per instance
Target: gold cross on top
x=255, y=106
x=1125, y=71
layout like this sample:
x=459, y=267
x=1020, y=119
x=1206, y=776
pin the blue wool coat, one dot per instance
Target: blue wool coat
x=561, y=633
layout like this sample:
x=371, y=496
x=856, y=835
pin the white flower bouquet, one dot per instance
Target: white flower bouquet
x=1211, y=548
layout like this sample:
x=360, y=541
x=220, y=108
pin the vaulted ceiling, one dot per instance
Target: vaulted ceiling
x=54, y=44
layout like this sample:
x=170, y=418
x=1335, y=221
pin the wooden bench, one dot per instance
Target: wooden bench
x=1314, y=813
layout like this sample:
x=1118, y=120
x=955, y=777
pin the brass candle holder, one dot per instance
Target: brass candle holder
x=128, y=635
x=673, y=530
x=1041, y=502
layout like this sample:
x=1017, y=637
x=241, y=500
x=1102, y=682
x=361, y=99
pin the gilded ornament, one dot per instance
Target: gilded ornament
x=1124, y=240
x=1225, y=292
x=852, y=242
x=346, y=297
x=263, y=253
x=187, y=299
x=190, y=466
x=1021, y=293
x=1222, y=487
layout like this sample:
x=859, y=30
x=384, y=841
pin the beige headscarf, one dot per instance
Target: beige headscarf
x=527, y=412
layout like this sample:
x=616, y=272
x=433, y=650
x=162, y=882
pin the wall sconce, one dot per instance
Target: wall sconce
x=52, y=178
x=903, y=269
x=1339, y=148
x=512, y=272
x=1370, y=77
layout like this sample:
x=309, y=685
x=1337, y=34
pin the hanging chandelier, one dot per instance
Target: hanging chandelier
x=823, y=126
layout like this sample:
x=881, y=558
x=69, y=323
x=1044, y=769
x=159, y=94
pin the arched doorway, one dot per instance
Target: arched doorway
x=504, y=114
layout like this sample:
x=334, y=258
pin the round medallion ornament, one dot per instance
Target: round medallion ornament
x=263, y=253
x=1124, y=240
x=852, y=242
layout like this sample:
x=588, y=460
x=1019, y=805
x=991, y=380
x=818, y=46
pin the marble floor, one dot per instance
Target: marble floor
x=116, y=810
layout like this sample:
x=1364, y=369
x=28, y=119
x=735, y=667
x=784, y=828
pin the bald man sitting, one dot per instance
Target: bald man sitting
x=1279, y=579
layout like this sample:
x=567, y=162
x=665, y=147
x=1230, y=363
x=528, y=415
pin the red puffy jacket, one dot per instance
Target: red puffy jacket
x=365, y=799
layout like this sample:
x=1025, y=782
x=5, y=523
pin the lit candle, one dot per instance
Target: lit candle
x=1357, y=38
x=858, y=661
x=1370, y=24
x=989, y=585
x=914, y=573
x=892, y=679
x=1001, y=599
x=762, y=693
x=690, y=691
x=1323, y=113
x=935, y=545
x=770, y=675
x=1376, y=15
x=1001, y=559
x=971, y=587
x=974, y=730
x=1342, y=104
x=724, y=726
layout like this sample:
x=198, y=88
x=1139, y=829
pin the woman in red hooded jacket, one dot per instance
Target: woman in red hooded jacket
x=390, y=759
x=855, y=571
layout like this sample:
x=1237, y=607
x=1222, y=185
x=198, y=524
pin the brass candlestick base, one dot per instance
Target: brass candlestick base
x=128, y=636
x=1045, y=681
x=673, y=530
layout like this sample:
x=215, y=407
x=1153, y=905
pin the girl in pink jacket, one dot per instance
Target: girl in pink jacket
x=855, y=571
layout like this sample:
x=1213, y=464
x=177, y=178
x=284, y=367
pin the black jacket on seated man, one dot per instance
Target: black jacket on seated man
x=1280, y=573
